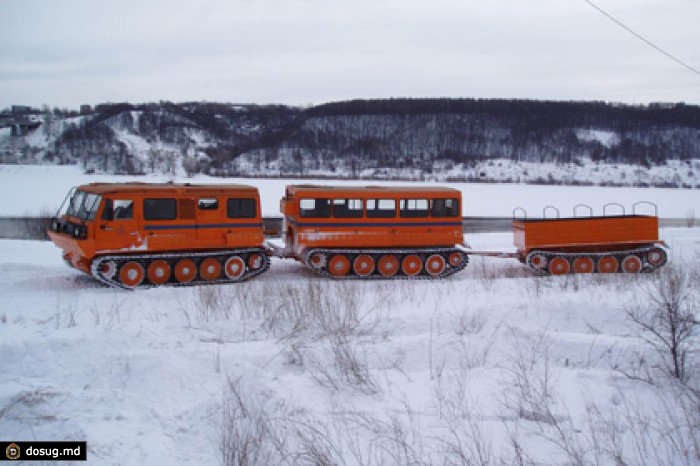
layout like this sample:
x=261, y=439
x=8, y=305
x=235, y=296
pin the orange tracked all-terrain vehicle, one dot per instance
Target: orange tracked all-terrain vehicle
x=133, y=234
x=375, y=232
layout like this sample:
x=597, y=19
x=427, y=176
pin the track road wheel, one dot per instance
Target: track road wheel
x=159, y=272
x=318, y=260
x=539, y=261
x=559, y=266
x=456, y=259
x=584, y=265
x=411, y=265
x=210, y=269
x=108, y=269
x=131, y=274
x=657, y=257
x=363, y=265
x=631, y=264
x=388, y=265
x=185, y=270
x=435, y=265
x=608, y=264
x=339, y=265
x=234, y=268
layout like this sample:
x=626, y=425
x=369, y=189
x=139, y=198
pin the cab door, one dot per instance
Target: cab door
x=210, y=228
x=118, y=226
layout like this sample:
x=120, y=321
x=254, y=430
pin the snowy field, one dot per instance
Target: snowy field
x=491, y=366
x=19, y=195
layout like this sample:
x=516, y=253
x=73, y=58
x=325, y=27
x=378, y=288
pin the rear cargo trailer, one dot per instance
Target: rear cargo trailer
x=605, y=244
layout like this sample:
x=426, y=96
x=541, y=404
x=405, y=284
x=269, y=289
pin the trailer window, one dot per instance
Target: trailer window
x=381, y=208
x=315, y=208
x=208, y=204
x=414, y=208
x=242, y=208
x=160, y=209
x=445, y=208
x=348, y=208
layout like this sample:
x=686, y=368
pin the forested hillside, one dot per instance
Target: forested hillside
x=465, y=139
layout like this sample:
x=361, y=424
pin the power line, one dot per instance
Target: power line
x=642, y=38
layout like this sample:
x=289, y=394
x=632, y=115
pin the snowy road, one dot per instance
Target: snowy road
x=19, y=196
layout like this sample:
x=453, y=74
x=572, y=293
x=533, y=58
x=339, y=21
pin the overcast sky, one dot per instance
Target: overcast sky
x=69, y=52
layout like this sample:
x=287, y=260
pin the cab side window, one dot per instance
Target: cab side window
x=208, y=204
x=118, y=209
x=159, y=209
x=242, y=208
x=108, y=210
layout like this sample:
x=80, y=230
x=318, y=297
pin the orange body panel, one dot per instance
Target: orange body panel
x=418, y=228
x=198, y=218
x=594, y=234
x=78, y=252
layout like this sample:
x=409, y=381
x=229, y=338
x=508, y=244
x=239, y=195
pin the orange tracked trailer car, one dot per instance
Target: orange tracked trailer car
x=133, y=234
x=375, y=232
x=607, y=244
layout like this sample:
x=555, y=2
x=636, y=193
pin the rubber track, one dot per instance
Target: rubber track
x=351, y=254
x=619, y=255
x=144, y=259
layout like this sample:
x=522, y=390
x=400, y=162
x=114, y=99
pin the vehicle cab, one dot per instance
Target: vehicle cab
x=73, y=226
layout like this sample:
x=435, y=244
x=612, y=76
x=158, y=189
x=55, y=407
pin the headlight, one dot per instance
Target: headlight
x=79, y=231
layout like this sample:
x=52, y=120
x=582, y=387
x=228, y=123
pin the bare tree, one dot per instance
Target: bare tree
x=155, y=157
x=666, y=318
x=170, y=159
x=189, y=164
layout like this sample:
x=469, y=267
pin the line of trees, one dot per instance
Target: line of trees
x=390, y=133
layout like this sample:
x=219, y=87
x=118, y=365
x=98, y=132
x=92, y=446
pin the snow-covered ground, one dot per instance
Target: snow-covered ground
x=491, y=365
x=293, y=368
x=34, y=190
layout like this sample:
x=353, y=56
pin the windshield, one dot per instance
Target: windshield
x=84, y=205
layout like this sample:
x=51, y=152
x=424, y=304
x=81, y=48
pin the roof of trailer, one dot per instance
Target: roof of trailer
x=107, y=188
x=301, y=188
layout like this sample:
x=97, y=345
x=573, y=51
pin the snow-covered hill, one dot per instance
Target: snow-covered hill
x=585, y=143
